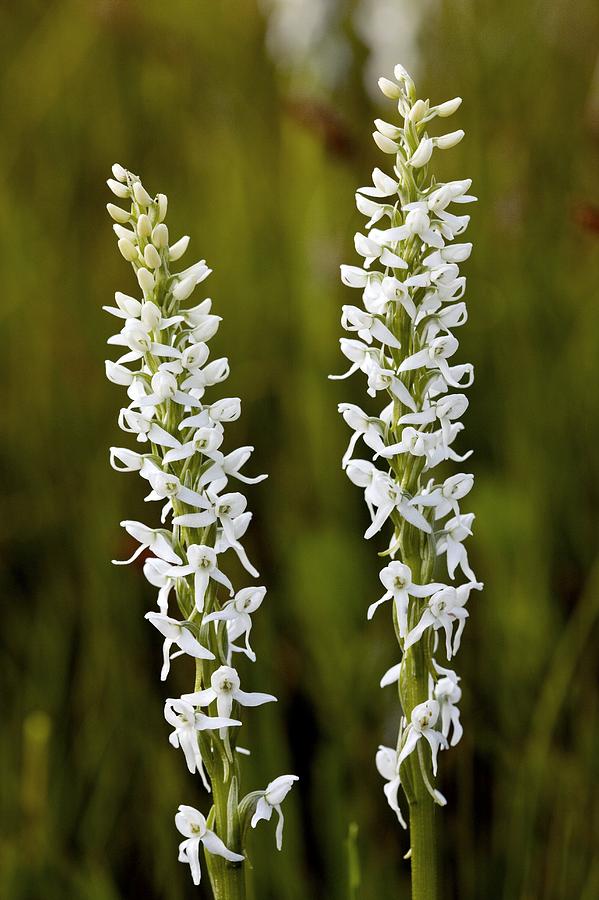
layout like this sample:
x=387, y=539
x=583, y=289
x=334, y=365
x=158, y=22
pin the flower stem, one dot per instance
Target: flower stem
x=424, y=846
x=227, y=879
x=414, y=689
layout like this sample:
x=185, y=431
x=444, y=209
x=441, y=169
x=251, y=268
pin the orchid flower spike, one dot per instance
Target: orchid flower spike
x=402, y=340
x=173, y=411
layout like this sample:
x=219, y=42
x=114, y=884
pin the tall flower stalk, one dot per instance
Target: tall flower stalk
x=404, y=344
x=179, y=428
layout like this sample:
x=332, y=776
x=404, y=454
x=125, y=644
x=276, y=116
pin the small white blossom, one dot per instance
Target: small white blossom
x=225, y=690
x=237, y=613
x=445, y=608
x=187, y=721
x=176, y=633
x=423, y=719
x=387, y=763
x=397, y=579
x=271, y=800
x=192, y=825
x=202, y=564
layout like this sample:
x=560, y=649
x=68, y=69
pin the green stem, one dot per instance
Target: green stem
x=414, y=689
x=424, y=847
x=227, y=879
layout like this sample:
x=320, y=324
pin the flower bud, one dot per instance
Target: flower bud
x=404, y=79
x=387, y=130
x=118, y=189
x=178, y=249
x=144, y=226
x=142, y=197
x=184, y=288
x=152, y=257
x=418, y=111
x=446, y=141
x=160, y=236
x=448, y=108
x=146, y=280
x=118, y=214
x=122, y=232
x=422, y=154
x=162, y=201
x=128, y=249
x=384, y=143
x=119, y=172
x=389, y=88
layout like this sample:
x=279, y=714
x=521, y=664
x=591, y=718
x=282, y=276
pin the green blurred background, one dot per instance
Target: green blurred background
x=255, y=120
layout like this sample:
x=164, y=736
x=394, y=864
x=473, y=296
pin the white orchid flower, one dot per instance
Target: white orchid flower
x=156, y=572
x=155, y=539
x=175, y=632
x=444, y=498
x=387, y=763
x=422, y=725
x=187, y=721
x=397, y=579
x=225, y=690
x=448, y=693
x=455, y=532
x=202, y=564
x=192, y=825
x=237, y=613
x=271, y=799
x=444, y=609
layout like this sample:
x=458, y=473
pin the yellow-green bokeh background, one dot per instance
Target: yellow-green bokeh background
x=261, y=173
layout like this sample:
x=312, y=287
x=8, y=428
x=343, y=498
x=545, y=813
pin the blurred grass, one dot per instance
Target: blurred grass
x=185, y=94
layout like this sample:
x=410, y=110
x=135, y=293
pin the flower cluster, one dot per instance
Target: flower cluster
x=402, y=339
x=167, y=374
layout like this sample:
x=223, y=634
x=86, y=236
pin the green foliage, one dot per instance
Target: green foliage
x=185, y=94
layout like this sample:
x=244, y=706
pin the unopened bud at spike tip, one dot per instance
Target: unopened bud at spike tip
x=162, y=201
x=119, y=172
x=389, y=88
x=141, y=195
x=118, y=189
